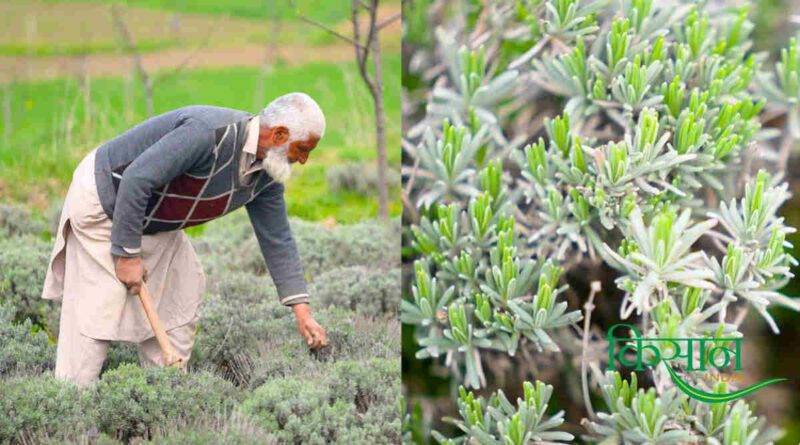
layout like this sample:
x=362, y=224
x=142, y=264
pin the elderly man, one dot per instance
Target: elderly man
x=129, y=198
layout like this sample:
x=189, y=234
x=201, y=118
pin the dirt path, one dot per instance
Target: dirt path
x=102, y=65
x=24, y=68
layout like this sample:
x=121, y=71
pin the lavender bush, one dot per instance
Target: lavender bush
x=551, y=144
x=246, y=348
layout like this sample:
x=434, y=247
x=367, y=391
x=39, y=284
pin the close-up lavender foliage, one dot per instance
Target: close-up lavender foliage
x=572, y=164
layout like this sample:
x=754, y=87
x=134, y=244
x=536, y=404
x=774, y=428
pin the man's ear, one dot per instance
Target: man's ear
x=280, y=135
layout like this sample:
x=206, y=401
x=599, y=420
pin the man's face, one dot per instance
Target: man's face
x=278, y=139
x=299, y=150
x=277, y=152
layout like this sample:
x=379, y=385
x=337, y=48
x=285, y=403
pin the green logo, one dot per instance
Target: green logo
x=637, y=352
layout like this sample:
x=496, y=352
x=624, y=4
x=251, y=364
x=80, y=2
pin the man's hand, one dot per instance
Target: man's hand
x=312, y=332
x=131, y=272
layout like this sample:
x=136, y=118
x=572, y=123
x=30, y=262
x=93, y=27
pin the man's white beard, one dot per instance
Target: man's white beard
x=277, y=165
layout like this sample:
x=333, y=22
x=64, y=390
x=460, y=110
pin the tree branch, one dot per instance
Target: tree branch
x=372, y=9
x=362, y=52
x=130, y=47
x=188, y=59
x=331, y=31
x=127, y=40
x=389, y=21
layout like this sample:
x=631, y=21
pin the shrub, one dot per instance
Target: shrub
x=90, y=436
x=131, y=401
x=229, y=333
x=352, y=336
x=231, y=245
x=299, y=410
x=233, y=320
x=244, y=288
x=369, y=243
x=39, y=406
x=291, y=358
x=234, y=429
x=282, y=352
x=492, y=420
x=192, y=436
x=357, y=177
x=368, y=383
x=368, y=291
x=23, y=349
x=17, y=220
x=636, y=415
x=593, y=136
x=240, y=341
x=209, y=436
x=52, y=216
x=293, y=409
x=23, y=262
x=373, y=386
x=278, y=360
x=355, y=401
x=120, y=353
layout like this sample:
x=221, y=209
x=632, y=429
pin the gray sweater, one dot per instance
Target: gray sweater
x=180, y=169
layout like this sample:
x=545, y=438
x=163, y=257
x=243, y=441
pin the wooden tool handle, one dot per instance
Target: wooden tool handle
x=170, y=356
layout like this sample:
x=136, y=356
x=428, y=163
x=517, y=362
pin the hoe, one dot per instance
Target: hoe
x=167, y=351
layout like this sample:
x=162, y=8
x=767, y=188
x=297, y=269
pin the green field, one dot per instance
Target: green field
x=52, y=124
x=49, y=117
x=38, y=28
x=68, y=84
x=329, y=11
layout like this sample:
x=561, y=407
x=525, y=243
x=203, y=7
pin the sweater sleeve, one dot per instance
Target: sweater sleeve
x=173, y=154
x=270, y=222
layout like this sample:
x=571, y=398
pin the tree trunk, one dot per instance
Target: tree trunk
x=85, y=83
x=7, y=113
x=270, y=55
x=148, y=95
x=380, y=130
x=136, y=59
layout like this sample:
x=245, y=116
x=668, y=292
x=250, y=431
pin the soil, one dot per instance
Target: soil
x=103, y=65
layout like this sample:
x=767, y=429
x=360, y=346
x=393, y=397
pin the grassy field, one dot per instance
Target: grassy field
x=326, y=10
x=250, y=379
x=66, y=86
x=43, y=28
x=49, y=125
x=40, y=29
x=51, y=114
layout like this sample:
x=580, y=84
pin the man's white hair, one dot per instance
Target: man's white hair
x=296, y=111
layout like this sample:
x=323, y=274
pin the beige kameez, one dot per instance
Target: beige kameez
x=96, y=305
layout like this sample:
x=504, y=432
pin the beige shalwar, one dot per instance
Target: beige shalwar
x=97, y=307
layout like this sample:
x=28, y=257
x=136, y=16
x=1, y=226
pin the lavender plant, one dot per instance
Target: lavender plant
x=242, y=355
x=561, y=136
x=498, y=421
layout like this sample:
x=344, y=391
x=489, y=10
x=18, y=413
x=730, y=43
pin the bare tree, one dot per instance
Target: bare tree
x=129, y=45
x=271, y=55
x=85, y=85
x=136, y=58
x=365, y=42
x=7, y=120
